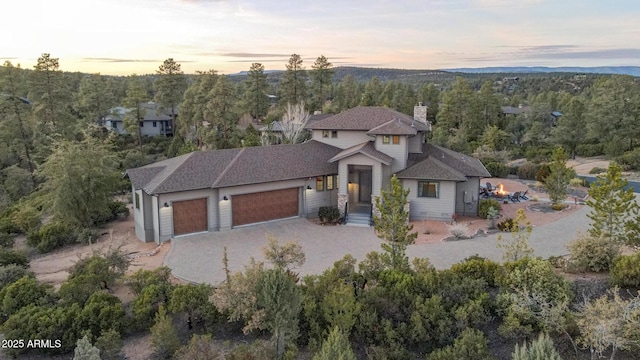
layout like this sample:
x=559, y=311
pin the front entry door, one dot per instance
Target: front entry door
x=365, y=187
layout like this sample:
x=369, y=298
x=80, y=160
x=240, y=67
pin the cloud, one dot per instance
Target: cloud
x=554, y=52
x=250, y=55
x=115, y=60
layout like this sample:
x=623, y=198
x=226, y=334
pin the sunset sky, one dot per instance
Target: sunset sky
x=134, y=36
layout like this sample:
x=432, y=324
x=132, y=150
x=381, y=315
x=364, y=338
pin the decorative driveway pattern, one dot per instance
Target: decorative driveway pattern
x=198, y=258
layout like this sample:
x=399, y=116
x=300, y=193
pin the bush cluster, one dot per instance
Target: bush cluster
x=51, y=236
x=329, y=214
x=591, y=253
x=505, y=225
x=625, y=271
x=588, y=150
x=485, y=205
x=630, y=160
x=527, y=171
x=543, y=171
x=497, y=169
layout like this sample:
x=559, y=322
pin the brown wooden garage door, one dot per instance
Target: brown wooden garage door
x=263, y=206
x=189, y=216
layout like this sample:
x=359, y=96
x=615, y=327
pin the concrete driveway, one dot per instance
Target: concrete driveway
x=198, y=258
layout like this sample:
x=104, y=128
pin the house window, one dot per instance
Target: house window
x=330, y=182
x=319, y=183
x=386, y=139
x=396, y=139
x=137, y=201
x=325, y=133
x=334, y=134
x=428, y=189
x=155, y=124
x=141, y=123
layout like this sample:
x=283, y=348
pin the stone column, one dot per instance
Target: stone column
x=374, y=210
x=342, y=200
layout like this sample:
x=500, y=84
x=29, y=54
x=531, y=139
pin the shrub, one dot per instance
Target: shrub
x=485, y=204
x=597, y=170
x=459, y=231
x=539, y=349
x=12, y=273
x=10, y=256
x=592, y=253
x=630, y=160
x=26, y=219
x=329, y=214
x=497, y=169
x=527, y=171
x=505, y=225
x=558, y=206
x=6, y=240
x=7, y=226
x=625, y=271
x=575, y=182
x=477, y=267
x=589, y=150
x=472, y=344
x=543, y=171
x=87, y=236
x=51, y=236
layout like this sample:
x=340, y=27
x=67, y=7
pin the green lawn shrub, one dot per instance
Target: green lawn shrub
x=328, y=214
x=625, y=271
x=10, y=256
x=485, y=204
x=505, y=225
x=591, y=253
x=497, y=169
x=527, y=171
x=589, y=150
x=52, y=236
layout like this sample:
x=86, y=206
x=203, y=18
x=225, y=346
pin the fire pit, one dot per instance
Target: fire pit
x=500, y=192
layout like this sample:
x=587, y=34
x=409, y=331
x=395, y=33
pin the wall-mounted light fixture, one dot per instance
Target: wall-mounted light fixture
x=225, y=198
x=166, y=204
x=308, y=187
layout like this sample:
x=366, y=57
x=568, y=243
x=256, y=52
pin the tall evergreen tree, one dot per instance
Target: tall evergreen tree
x=170, y=87
x=349, y=93
x=372, y=91
x=430, y=96
x=571, y=130
x=221, y=114
x=391, y=221
x=51, y=97
x=335, y=347
x=293, y=88
x=136, y=96
x=192, y=111
x=94, y=98
x=557, y=181
x=256, y=98
x=322, y=76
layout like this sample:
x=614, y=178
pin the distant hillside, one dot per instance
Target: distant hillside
x=619, y=70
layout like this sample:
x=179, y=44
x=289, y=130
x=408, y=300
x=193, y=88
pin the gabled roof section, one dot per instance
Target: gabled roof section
x=438, y=163
x=232, y=167
x=365, y=118
x=393, y=127
x=366, y=149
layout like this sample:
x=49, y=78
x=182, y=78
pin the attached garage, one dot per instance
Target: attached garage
x=264, y=206
x=189, y=216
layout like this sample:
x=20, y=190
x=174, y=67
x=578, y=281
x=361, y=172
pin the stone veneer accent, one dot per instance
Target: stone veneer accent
x=342, y=199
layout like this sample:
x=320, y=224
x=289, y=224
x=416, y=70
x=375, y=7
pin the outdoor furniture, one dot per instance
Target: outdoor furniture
x=515, y=197
x=490, y=188
x=523, y=196
x=484, y=192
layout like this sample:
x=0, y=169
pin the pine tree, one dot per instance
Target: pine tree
x=221, y=114
x=335, y=347
x=136, y=95
x=613, y=207
x=256, y=99
x=189, y=125
x=557, y=181
x=164, y=337
x=293, y=88
x=170, y=87
x=85, y=351
x=321, y=75
x=391, y=222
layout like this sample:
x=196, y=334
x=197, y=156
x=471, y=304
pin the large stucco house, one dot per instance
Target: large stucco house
x=349, y=160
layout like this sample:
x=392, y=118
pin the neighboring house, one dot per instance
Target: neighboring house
x=349, y=160
x=155, y=122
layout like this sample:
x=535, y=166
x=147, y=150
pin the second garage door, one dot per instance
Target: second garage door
x=189, y=216
x=264, y=206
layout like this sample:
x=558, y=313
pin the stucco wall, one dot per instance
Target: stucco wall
x=415, y=143
x=441, y=208
x=345, y=138
x=143, y=216
x=359, y=159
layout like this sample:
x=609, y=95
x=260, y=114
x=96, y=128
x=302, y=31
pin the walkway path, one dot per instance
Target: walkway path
x=198, y=258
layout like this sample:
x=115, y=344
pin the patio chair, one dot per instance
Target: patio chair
x=523, y=195
x=484, y=192
x=515, y=197
x=490, y=188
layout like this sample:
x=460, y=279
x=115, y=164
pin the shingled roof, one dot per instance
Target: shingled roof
x=366, y=149
x=365, y=118
x=393, y=127
x=438, y=163
x=232, y=167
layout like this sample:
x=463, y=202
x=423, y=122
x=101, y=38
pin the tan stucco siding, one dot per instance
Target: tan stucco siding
x=467, y=204
x=441, y=208
x=397, y=151
x=345, y=139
